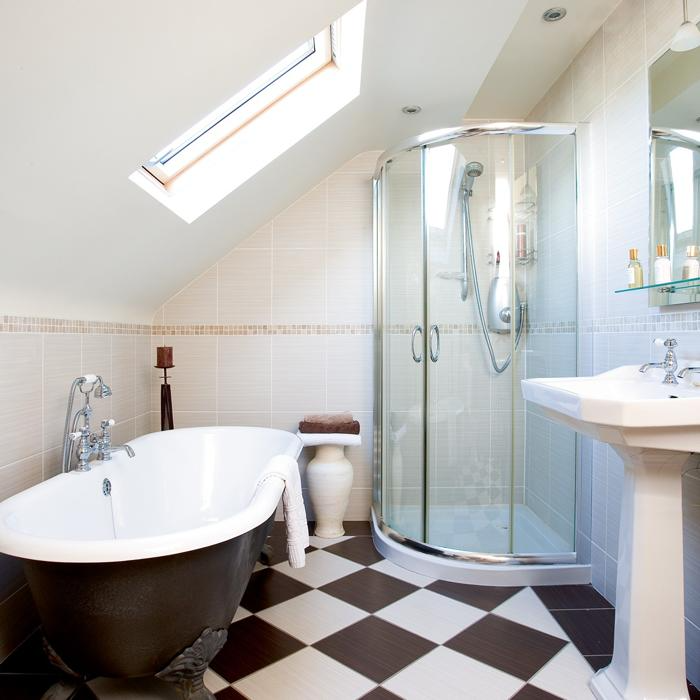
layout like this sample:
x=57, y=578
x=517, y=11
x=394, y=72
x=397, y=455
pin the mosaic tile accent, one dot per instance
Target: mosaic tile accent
x=265, y=329
x=35, y=324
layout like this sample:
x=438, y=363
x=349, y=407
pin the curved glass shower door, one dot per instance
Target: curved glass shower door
x=476, y=289
x=469, y=466
x=403, y=337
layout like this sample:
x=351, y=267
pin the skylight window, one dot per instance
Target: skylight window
x=245, y=105
x=260, y=122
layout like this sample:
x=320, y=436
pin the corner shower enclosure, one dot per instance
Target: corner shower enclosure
x=475, y=289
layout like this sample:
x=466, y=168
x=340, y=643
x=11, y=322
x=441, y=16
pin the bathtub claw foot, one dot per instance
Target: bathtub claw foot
x=63, y=690
x=186, y=670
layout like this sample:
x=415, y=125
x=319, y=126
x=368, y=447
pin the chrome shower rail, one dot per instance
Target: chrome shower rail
x=439, y=137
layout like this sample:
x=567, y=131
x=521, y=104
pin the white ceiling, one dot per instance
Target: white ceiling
x=91, y=89
x=535, y=55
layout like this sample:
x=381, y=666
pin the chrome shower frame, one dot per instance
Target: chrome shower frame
x=383, y=532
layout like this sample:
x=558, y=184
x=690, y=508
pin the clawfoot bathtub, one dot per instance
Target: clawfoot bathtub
x=137, y=566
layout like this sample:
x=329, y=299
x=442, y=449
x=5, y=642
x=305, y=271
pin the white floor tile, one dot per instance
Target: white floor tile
x=241, y=614
x=321, y=542
x=448, y=675
x=566, y=675
x=321, y=568
x=213, y=681
x=312, y=616
x=527, y=609
x=430, y=615
x=390, y=569
x=306, y=675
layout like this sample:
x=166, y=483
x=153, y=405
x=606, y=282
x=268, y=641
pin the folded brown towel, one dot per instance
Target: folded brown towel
x=352, y=428
x=329, y=418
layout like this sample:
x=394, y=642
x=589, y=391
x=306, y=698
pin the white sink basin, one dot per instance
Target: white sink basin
x=654, y=427
x=623, y=407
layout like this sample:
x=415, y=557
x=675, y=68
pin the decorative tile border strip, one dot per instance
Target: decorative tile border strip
x=266, y=329
x=658, y=323
x=34, y=324
x=474, y=329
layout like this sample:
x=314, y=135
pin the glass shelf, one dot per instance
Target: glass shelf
x=666, y=287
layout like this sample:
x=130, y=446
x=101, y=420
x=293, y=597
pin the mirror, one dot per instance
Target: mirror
x=674, y=105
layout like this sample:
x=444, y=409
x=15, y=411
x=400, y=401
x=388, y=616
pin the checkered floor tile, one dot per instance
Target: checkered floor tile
x=353, y=625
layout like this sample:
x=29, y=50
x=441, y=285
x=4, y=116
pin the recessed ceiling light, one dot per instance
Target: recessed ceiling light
x=554, y=14
x=411, y=109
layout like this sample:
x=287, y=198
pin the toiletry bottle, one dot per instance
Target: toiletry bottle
x=635, y=274
x=662, y=265
x=691, y=266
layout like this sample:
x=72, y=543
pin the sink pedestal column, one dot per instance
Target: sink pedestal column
x=649, y=656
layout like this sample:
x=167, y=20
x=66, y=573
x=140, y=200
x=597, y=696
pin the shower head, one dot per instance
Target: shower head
x=102, y=391
x=471, y=171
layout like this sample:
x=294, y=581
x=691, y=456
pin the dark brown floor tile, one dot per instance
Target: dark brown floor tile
x=28, y=657
x=18, y=686
x=598, y=662
x=508, y=646
x=269, y=587
x=380, y=693
x=358, y=549
x=229, y=694
x=591, y=631
x=375, y=648
x=483, y=597
x=368, y=589
x=357, y=528
x=252, y=644
x=529, y=692
x=571, y=597
x=275, y=551
x=279, y=528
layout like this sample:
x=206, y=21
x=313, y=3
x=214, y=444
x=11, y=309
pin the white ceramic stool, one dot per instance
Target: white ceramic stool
x=329, y=478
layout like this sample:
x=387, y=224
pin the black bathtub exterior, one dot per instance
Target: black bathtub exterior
x=131, y=618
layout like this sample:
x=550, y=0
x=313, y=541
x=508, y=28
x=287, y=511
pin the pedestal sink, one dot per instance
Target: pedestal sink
x=654, y=427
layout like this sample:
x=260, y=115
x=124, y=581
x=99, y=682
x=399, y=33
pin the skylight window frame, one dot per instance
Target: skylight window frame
x=279, y=80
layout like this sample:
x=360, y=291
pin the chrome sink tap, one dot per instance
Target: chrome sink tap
x=669, y=365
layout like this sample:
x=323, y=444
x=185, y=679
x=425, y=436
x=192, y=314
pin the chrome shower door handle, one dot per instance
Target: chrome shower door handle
x=416, y=330
x=434, y=333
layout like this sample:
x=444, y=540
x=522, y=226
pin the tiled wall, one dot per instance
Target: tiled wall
x=607, y=87
x=282, y=325
x=39, y=358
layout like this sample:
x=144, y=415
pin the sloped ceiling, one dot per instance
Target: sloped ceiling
x=91, y=89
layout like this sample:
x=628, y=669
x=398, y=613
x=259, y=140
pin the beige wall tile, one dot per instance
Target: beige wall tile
x=123, y=432
x=20, y=475
x=52, y=462
x=194, y=304
x=262, y=238
x=144, y=371
x=122, y=378
x=624, y=43
x=350, y=211
x=142, y=424
x=245, y=281
x=244, y=373
x=662, y=19
x=588, y=73
x=349, y=286
x=189, y=419
x=97, y=359
x=20, y=396
x=61, y=367
x=303, y=224
x=363, y=163
x=349, y=372
x=298, y=373
x=194, y=375
x=298, y=287
x=259, y=419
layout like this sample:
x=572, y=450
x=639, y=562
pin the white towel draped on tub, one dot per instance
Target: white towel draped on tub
x=286, y=468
